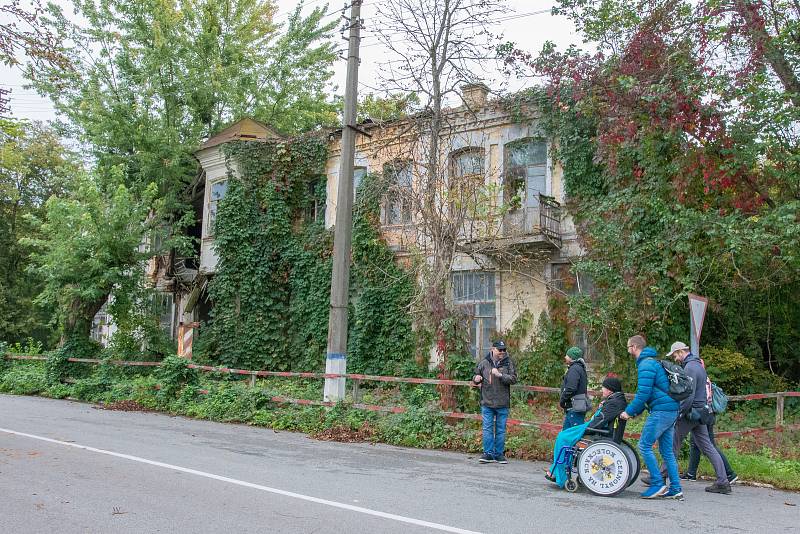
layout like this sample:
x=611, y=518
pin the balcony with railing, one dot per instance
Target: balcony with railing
x=535, y=226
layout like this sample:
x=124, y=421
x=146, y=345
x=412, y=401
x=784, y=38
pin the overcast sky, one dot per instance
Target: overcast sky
x=524, y=25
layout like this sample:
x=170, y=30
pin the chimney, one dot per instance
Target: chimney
x=474, y=95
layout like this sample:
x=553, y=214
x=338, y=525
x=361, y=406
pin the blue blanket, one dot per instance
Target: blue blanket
x=565, y=438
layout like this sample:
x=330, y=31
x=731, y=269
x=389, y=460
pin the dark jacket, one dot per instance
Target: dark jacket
x=496, y=390
x=575, y=383
x=652, y=387
x=694, y=368
x=610, y=409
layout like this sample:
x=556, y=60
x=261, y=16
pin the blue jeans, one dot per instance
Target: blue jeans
x=573, y=419
x=659, y=427
x=494, y=430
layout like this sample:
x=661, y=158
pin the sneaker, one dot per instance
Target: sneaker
x=732, y=479
x=500, y=459
x=645, y=480
x=653, y=491
x=724, y=489
x=672, y=494
x=486, y=459
x=687, y=476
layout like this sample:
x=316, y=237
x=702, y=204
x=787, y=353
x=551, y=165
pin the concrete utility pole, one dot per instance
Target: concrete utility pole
x=336, y=357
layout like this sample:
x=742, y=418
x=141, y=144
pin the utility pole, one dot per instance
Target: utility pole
x=336, y=356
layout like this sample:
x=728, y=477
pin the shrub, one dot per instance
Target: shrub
x=173, y=374
x=25, y=379
x=541, y=363
x=738, y=374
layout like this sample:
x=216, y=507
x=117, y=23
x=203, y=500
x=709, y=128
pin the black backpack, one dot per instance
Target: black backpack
x=681, y=385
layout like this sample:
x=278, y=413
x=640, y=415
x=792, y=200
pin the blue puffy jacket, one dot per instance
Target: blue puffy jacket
x=652, y=388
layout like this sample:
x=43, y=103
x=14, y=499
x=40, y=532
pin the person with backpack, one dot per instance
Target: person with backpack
x=652, y=393
x=695, y=416
x=717, y=400
x=574, y=399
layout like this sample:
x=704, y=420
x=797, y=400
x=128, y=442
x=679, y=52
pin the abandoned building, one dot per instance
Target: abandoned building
x=503, y=267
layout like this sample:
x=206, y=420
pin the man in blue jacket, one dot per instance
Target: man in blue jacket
x=652, y=392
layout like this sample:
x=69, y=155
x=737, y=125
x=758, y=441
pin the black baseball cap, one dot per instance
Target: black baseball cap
x=499, y=344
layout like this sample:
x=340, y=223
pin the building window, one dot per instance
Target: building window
x=525, y=172
x=358, y=175
x=466, y=177
x=474, y=293
x=100, y=325
x=398, y=197
x=164, y=309
x=218, y=190
x=316, y=191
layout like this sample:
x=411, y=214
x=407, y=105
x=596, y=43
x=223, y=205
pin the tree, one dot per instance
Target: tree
x=33, y=167
x=24, y=34
x=88, y=247
x=152, y=79
x=439, y=45
x=680, y=151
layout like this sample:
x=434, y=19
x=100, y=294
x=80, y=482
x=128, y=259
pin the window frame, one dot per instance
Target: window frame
x=213, y=204
x=513, y=181
x=472, y=303
x=397, y=193
x=460, y=182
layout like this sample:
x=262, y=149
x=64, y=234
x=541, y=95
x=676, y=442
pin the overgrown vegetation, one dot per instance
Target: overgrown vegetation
x=272, y=283
x=680, y=171
x=772, y=458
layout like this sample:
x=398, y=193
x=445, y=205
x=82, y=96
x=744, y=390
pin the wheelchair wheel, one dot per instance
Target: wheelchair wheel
x=571, y=486
x=635, y=461
x=604, y=467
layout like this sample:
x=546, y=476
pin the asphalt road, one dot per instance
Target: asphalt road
x=67, y=467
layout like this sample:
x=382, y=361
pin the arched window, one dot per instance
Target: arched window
x=397, y=208
x=467, y=168
x=525, y=173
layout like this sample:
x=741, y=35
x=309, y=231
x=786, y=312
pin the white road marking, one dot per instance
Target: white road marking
x=359, y=509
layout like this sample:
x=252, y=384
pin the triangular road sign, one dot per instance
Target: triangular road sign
x=697, y=311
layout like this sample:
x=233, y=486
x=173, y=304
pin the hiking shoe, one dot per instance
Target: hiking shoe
x=733, y=478
x=645, y=480
x=687, y=476
x=672, y=494
x=486, y=459
x=724, y=489
x=500, y=459
x=653, y=491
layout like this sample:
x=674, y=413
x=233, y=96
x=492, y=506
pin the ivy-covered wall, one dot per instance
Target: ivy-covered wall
x=271, y=289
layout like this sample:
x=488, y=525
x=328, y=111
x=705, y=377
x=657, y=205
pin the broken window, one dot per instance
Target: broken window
x=358, y=174
x=525, y=172
x=218, y=190
x=474, y=293
x=398, y=198
x=466, y=177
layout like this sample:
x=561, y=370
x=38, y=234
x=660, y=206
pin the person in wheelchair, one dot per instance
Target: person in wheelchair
x=613, y=404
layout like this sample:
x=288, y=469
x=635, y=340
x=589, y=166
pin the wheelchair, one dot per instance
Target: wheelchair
x=605, y=466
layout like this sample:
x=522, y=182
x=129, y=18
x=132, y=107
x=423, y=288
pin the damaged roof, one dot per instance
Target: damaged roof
x=244, y=130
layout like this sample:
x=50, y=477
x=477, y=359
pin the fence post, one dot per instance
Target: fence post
x=779, y=411
x=252, y=380
x=356, y=390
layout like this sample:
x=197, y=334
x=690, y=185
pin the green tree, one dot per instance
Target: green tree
x=680, y=153
x=88, y=248
x=153, y=78
x=34, y=165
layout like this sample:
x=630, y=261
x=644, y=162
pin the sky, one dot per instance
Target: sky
x=526, y=24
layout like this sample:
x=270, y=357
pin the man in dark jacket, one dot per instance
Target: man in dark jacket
x=652, y=392
x=694, y=416
x=574, y=400
x=494, y=375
